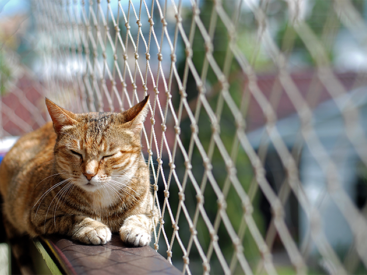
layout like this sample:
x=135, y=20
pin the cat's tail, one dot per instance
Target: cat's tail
x=20, y=247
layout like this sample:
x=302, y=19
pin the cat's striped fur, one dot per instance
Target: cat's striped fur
x=83, y=176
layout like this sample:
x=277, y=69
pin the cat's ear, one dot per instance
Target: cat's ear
x=135, y=116
x=60, y=117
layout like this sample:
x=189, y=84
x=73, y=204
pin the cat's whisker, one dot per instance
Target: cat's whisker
x=121, y=173
x=104, y=187
x=50, y=189
x=113, y=188
x=54, y=175
x=46, y=193
x=117, y=191
x=120, y=183
x=109, y=187
x=124, y=177
x=127, y=192
x=124, y=181
x=124, y=185
x=44, y=228
x=64, y=194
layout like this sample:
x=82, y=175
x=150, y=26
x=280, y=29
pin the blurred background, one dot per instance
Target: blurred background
x=256, y=136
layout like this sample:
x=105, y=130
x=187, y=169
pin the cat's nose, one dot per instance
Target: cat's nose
x=91, y=168
x=88, y=175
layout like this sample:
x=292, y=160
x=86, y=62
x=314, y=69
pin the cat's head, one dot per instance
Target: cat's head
x=97, y=150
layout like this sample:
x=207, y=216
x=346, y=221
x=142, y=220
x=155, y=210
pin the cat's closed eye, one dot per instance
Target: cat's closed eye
x=108, y=156
x=77, y=154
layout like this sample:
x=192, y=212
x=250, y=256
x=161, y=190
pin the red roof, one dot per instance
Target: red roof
x=23, y=108
x=309, y=86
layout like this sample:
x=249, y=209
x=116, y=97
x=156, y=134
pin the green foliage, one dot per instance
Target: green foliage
x=220, y=178
x=249, y=45
x=324, y=24
x=5, y=73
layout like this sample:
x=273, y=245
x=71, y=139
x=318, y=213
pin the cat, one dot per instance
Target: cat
x=81, y=175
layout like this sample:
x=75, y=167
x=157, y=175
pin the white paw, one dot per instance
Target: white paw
x=135, y=236
x=92, y=232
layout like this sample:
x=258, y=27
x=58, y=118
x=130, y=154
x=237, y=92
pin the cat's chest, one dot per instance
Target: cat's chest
x=104, y=198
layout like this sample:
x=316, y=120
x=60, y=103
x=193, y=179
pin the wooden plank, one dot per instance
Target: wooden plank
x=112, y=258
x=47, y=257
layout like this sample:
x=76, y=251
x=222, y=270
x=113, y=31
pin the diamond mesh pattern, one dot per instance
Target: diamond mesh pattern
x=253, y=157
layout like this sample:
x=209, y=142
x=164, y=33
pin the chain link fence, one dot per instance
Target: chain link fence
x=256, y=136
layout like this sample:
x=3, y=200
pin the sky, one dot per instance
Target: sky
x=11, y=7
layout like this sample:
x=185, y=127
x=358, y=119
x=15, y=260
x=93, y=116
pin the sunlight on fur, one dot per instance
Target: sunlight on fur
x=84, y=176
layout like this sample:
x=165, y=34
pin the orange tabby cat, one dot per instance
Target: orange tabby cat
x=82, y=176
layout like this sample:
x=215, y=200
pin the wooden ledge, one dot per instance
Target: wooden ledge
x=69, y=257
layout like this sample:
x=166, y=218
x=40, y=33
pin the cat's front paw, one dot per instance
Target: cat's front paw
x=90, y=231
x=135, y=236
